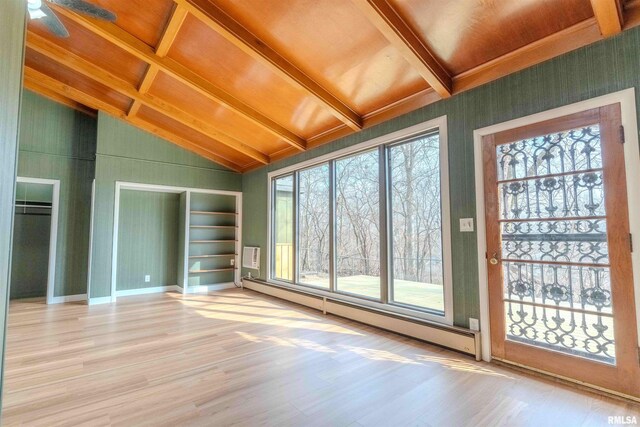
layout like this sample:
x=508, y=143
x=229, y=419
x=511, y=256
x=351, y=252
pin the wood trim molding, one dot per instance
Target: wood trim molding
x=184, y=143
x=218, y=20
x=385, y=18
x=56, y=97
x=67, y=91
x=608, y=14
x=77, y=95
x=144, y=52
x=92, y=71
x=396, y=109
x=574, y=37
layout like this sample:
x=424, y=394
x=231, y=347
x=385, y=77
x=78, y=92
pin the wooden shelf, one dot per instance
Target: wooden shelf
x=212, y=256
x=212, y=213
x=213, y=226
x=215, y=270
x=212, y=241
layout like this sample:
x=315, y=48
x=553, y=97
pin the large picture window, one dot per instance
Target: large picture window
x=368, y=224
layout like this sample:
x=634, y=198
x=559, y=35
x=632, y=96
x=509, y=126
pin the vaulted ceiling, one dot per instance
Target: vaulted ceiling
x=248, y=82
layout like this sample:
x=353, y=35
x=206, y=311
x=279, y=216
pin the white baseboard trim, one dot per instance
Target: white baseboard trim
x=453, y=337
x=100, y=300
x=208, y=288
x=152, y=290
x=67, y=298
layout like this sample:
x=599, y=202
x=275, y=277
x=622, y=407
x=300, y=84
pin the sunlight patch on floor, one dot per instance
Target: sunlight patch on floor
x=287, y=342
x=460, y=365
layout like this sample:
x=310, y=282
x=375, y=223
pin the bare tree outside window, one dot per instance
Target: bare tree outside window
x=416, y=226
x=358, y=224
x=313, y=223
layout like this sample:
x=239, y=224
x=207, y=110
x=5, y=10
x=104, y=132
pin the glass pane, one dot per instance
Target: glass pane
x=557, y=287
x=283, y=228
x=358, y=225
x=416, y=227
x=313, y=223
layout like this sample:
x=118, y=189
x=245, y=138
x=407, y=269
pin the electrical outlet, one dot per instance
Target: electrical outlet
x=466, y=225
x=233, y=262
x=147, y=278
x=474, y=325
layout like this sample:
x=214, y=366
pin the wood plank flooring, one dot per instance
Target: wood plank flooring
x=239, y=357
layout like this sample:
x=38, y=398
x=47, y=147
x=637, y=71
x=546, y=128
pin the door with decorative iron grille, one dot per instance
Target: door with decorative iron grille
x=559, y=250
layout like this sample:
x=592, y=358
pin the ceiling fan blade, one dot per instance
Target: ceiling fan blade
x=85, y=8
x=52, y=22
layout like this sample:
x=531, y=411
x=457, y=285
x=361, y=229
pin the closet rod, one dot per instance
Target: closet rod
x=34, y=206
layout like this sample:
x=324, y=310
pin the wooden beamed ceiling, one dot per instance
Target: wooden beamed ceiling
x=245, y=83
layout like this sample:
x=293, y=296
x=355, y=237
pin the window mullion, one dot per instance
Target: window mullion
x=332, y=226
x=385, y=239
x=296, y=228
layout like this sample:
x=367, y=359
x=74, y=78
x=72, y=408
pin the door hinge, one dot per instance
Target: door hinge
x=622, y=139
x=631, y=242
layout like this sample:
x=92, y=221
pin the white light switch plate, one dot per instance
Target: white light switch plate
x=147, y=278
x=474, y=325
x=466, y=225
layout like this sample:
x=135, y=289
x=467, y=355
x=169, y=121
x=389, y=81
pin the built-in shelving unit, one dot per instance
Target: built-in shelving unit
x=212, y=237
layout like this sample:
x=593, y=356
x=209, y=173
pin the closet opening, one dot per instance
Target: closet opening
x=35, y=229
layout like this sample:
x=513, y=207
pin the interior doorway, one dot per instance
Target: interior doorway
x=35, y=230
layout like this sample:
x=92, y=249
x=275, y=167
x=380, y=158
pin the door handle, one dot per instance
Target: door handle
x=494, y=259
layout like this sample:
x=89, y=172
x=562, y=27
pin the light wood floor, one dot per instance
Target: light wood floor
x=237, y=357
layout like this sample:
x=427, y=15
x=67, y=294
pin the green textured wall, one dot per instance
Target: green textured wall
x=127, y=154
x=595, y=70
x=12, y=32
x=30, y=192
x=57, y=142
x=147, y=239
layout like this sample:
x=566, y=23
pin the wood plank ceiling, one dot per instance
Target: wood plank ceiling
x=248, y=82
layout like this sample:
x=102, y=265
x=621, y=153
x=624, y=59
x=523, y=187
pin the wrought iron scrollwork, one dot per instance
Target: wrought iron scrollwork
x=554, y=243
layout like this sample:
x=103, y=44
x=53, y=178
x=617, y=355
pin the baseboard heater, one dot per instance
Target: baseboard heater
x=453, y=337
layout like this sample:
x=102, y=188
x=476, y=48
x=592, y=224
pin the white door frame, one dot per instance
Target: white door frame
x=53, y=235
x=627, y=100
